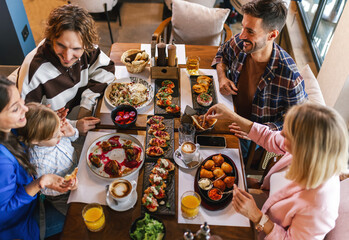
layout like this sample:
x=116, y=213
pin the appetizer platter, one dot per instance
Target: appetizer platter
x=131, y=91
x=115, y=155
x=203, y=92
x=166, y=100
x=159, y=193
x=213, y=181
x=159, y=138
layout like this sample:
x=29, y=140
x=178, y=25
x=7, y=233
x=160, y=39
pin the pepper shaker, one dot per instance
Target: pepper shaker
x=161, y=54
x=188, y=235
x=203, y=233
x=171, y=49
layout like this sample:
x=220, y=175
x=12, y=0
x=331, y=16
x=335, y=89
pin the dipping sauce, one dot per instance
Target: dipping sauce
x=214, y=194
x=205, y=183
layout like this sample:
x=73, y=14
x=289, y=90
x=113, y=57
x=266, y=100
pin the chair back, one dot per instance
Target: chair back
x=93, y=6
x=312, y=87
x=341, y=229
x=206, y=3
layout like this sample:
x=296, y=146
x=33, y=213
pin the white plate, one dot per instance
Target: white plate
x=150, y=92
x=122, y=206
x=94, y=148
x=180, y=163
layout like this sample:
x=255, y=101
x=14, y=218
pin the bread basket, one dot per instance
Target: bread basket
x=132, y=65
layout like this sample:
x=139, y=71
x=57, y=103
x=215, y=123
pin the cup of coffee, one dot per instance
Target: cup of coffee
x=188, y=151
x=121, y=189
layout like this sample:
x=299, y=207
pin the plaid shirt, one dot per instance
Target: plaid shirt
x=280, y=87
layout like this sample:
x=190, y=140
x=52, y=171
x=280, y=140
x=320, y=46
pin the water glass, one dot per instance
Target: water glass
x=186, y=133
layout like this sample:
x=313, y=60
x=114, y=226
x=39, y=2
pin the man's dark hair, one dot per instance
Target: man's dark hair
x=272, y=12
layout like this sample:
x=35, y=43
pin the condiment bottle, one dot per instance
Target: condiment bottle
x=203, y=233
x=153, y=46
x=188, y=235
x=161, y=54
x=171, y=49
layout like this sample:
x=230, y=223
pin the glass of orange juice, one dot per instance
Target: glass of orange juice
x=192, y=65
x=94, y=217
x=190, y=203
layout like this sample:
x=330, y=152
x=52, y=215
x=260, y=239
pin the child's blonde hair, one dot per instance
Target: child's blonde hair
x=42, y=123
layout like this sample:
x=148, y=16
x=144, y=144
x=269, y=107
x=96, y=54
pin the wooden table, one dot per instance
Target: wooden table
x=206, y=54
x=118, y=223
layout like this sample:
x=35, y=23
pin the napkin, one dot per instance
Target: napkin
x=91, y=189
x=223, y=217
x=186, y=97
x=121, y=72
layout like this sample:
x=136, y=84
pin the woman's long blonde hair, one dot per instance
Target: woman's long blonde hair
x=319, y=139
x=42, y=123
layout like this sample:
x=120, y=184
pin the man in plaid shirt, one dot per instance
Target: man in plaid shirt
x=265, y=81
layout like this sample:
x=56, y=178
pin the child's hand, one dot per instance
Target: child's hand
x=67, y=129
x=62, y=113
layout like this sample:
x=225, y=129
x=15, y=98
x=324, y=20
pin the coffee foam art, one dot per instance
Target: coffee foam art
x=188, y=147
x=120, y=189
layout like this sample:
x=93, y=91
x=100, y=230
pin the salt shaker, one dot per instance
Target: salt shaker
x=161, y=54
x=203, y=233
x=188, y=235
x=171, y=49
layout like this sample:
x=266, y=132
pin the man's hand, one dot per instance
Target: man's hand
x=227, y=87
x=87, y=123
x=66, y=128
x=219, y=111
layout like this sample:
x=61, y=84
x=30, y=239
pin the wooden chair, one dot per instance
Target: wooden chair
x=165, y=28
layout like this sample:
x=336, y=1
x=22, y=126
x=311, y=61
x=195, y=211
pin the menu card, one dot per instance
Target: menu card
x=91, y=189
x=121, y=72
x=224, y=217
x=186, y=97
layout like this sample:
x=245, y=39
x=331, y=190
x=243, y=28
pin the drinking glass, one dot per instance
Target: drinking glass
x=193, y=63
x=93, y=216
x=190, y=204
x=186, y=133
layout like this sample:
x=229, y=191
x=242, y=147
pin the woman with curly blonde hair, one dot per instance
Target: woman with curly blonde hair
x=304, y=184
x=67, y=69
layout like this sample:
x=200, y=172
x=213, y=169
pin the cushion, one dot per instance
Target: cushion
x=312, y=87
x=207, y=3
x=196, y=24
x=341, y=229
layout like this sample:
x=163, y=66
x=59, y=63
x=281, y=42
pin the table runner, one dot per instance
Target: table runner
x=223, y=217
x=121, y=72
x=180, y=53
x=92, y=188
x=186, y=96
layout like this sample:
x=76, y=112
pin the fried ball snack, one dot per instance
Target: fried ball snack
x=219, y=184
x=218, y=160
x=218, y=172
x=209, y=165
x=229, y=181
x=226, y=167
x=205, y=173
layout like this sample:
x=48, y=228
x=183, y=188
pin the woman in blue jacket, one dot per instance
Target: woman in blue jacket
x=18, y=188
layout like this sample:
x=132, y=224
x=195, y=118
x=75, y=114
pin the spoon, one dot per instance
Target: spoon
x=230, y=191
x=107, y=191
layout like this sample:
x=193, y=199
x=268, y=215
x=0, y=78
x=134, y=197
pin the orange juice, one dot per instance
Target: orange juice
x=190, y=204
x=94, y=217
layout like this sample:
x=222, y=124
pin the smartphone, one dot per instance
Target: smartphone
x=211, y=141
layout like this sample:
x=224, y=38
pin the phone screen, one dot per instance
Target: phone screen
x=211, y=141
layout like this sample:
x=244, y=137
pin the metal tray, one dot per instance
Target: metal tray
x=168, y=153
x=175, y=98
x=170, y=190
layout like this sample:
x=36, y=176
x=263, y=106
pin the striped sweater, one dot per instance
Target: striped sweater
x=42, y=76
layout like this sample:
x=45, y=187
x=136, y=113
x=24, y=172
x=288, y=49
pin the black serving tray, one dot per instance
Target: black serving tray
x=170, y=190
x=194, y=95
x=175, y=98
x=168, y=153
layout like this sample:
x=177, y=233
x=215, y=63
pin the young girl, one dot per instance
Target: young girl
x=49, y=141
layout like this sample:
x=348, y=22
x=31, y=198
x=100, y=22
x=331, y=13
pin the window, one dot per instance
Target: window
x=320, y=18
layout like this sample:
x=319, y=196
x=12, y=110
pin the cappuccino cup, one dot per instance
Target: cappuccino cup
x=121, y=189
x=188, y=151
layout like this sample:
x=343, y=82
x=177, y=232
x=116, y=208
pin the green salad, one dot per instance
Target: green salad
x=148, y=229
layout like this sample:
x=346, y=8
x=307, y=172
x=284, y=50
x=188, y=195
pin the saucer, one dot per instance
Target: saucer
x=122, y=206
x=193, y=164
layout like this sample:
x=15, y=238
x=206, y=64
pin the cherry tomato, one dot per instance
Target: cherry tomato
x=121, y=113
